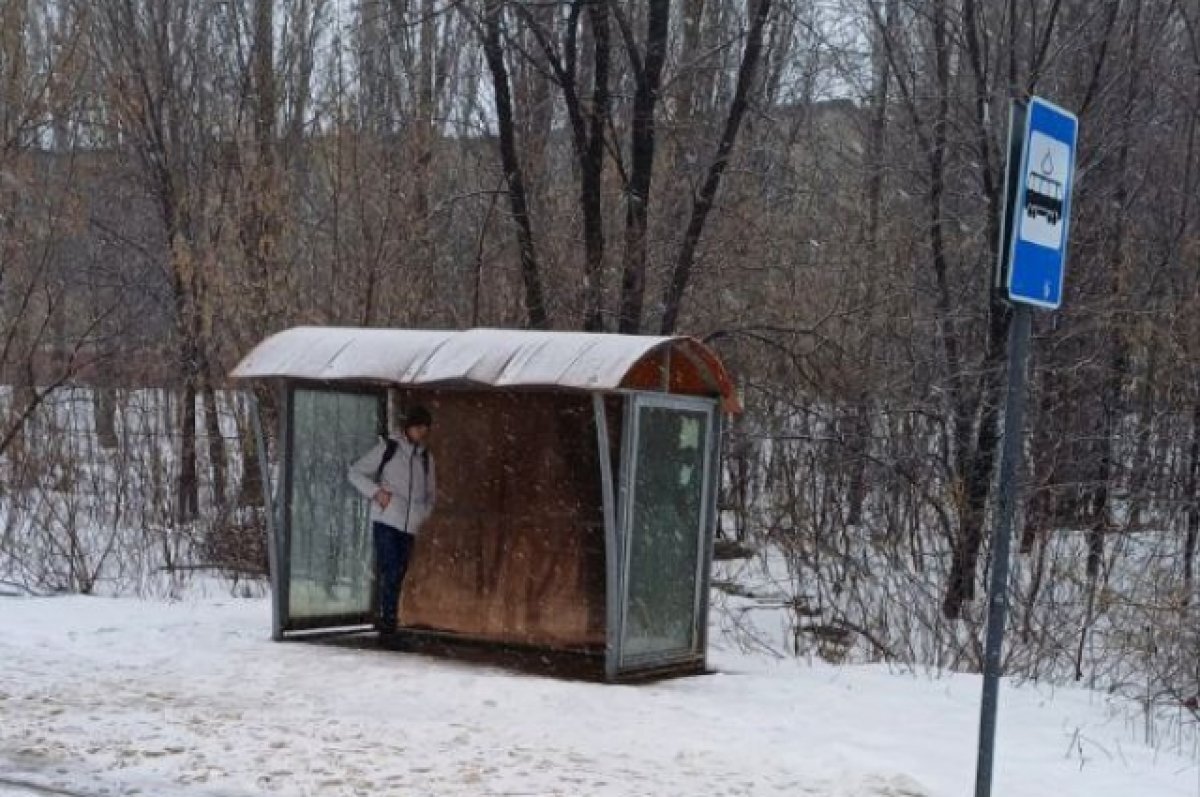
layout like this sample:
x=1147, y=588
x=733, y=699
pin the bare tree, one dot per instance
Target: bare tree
x=490, y=22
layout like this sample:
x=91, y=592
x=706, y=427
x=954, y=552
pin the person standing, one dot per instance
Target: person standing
x=398, y=477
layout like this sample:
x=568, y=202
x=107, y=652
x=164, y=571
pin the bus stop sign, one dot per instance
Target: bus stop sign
x=1041, y=206
x=1037, y=213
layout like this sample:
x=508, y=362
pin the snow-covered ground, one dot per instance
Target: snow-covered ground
x=114, y=696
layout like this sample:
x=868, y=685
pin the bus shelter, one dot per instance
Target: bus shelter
x=577, y=484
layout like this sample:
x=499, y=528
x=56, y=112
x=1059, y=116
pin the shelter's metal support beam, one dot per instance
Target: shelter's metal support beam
x=281, y=577
x=625, y=499
x=269, y=509
x=712, y=478
x=613, y=560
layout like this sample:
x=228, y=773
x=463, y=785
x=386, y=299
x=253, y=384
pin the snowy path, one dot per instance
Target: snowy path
x=104, y=697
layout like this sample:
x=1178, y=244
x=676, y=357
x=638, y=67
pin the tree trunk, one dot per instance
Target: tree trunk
x=187, y=495
x=961, y=585
x=681, y=274
x=217, y=457
x=874, y=161
x=648, y=78
x=1112, y=410
x=104, y=408
x=426, y=116
x=187, y=330
x=976, y=450
x=14, y=445
x=1193, y=507
x=251, y=493
x=592, y=172
x=977, y=481
x=493, y=48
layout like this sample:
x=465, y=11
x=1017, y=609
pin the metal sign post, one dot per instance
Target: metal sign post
x=1010, y=457
x=1033, y=253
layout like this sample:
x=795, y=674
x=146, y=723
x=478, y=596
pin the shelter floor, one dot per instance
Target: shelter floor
x=575, y=665
x=570, y=665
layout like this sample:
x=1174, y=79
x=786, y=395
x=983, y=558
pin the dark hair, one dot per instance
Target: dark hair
x=417, y=416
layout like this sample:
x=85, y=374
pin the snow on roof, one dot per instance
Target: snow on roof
x=493, y=357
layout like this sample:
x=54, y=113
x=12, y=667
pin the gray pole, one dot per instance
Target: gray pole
x=1010, y=460
x=269, y=509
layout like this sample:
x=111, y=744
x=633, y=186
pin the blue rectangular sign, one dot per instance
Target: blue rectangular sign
x=1041, y=206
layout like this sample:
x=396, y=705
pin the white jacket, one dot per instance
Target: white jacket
x=406, y=477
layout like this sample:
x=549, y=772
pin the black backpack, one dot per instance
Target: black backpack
x=389, y=451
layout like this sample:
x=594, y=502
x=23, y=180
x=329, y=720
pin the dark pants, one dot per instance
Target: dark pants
x=392, y=550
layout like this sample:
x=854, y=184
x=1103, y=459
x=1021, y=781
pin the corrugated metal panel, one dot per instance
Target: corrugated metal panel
x=496, y=357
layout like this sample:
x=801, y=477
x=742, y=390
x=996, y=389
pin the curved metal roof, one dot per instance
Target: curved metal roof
x=490, y=357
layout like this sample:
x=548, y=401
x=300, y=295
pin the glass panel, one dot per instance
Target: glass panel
x=665, y=530
x=331, y=556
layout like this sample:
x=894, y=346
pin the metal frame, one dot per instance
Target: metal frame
x=712, y=480
x=612, y=542
x=281, y=578
x=620, y=561
x=696, y=654
x=270, y=511
x=281, y=566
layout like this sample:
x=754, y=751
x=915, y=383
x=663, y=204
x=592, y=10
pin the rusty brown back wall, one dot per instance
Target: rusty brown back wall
x=514, y=551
